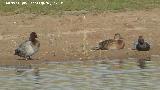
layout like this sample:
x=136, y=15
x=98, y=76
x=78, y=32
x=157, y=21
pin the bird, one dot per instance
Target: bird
x=116, y=43
x=28, y=47
x=142, y=45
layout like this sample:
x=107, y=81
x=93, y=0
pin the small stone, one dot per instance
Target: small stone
x=1, y=37
x=14, y=22
x=61, y=2
x=155, y=55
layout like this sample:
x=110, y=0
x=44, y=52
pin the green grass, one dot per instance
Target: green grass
x=78, y=5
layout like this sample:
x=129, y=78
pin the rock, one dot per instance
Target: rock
x=1, y=37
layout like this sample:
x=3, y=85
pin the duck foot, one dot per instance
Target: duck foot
x=29, y=58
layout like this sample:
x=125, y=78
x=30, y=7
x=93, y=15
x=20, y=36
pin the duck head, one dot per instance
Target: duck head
x=141, y=40
x=33, y=36
x=117, y=36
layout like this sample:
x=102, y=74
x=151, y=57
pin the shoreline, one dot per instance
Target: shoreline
x=71, y=37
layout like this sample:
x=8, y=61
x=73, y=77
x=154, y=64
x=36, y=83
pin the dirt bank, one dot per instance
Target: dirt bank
x=71, y=37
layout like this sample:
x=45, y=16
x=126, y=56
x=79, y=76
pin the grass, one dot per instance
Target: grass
x=78, y=5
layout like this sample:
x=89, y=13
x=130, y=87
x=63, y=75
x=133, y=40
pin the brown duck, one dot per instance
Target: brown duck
x=116, y=43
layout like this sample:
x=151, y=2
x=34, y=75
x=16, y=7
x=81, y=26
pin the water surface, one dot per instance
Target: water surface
x=88, y=75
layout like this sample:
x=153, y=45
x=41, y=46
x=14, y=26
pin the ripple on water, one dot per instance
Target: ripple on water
x=89, y=75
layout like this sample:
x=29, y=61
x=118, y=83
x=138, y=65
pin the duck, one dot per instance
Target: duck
x=29, y=47
x=141, y=45
x=116, y=43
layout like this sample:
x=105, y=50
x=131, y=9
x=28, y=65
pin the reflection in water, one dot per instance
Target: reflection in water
x=142, y=63
x=36, y=71
x=143, y=56
x=88, y=75
x=23, y=71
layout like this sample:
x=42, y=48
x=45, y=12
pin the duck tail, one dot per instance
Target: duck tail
x=16, y=52
x=95, y=48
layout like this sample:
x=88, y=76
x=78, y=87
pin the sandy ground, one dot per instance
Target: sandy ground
x=71, y=37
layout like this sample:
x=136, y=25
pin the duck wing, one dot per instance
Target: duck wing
x=104, y=44
x=143, y=47
x=35, y=46
x=25, y=49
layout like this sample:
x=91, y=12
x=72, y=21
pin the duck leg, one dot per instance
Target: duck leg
x=28, y=58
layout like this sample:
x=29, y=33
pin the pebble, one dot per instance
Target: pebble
x=155, y=55
x=131, y=58
x=1, y=37
x=14, y=22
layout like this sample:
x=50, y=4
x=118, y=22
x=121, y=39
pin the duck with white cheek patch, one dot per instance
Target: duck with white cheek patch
x=29, y=47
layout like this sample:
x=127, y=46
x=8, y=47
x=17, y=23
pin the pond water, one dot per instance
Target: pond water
x=80, y=75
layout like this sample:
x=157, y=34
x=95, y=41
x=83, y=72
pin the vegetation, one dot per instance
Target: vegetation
x=59, y=6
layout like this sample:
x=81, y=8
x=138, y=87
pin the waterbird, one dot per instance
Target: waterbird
x=142, y=45
x=116, y=43
x=29, y=47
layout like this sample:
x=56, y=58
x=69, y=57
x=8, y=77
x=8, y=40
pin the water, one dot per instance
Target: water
x=88, y=75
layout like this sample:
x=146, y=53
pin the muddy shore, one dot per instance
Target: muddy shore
x=71, y=37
